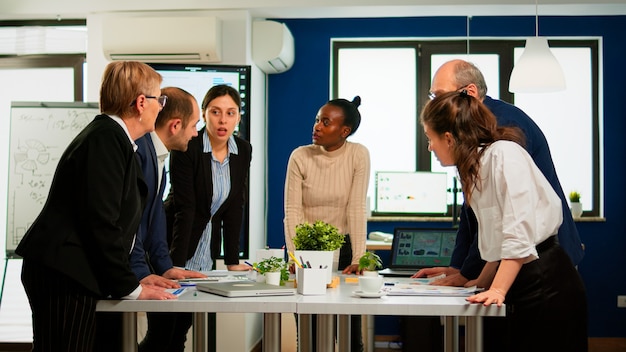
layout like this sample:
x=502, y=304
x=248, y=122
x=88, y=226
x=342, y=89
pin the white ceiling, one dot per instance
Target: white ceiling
x=38, y=9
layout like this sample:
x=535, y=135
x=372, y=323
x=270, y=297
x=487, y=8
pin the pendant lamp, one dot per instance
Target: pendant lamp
x=537, y=70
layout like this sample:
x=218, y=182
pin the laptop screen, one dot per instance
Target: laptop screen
x=415, y=248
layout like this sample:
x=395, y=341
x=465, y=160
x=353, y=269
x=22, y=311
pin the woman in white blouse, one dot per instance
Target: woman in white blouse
x=518, y=216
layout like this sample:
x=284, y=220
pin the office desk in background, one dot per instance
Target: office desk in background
x=372, y=245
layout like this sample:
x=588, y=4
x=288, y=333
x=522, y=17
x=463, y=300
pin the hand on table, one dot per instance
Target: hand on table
x=180, y=274
x=239, y=267
x=158, y=281
x=435, y=271
x=151, y=292
x=478, y=283
x=491, y=296
x=352, y=268
x=451, y=280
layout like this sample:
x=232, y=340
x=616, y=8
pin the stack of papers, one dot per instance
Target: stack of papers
x=428, y=290
x=220, y=276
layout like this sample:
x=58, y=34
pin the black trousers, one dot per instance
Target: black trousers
x=546, y=307
x=63, y=311
x=546, y=311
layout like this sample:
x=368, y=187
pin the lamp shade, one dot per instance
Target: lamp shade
x=537, y=70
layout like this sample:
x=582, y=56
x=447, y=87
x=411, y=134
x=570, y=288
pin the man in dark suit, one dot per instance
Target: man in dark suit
x=175, y=126
x=150, y=260
x=76, y=252
x=466, y=261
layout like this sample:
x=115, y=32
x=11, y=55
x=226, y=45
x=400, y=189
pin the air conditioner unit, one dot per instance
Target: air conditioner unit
x=163, y=39
x=272, y=46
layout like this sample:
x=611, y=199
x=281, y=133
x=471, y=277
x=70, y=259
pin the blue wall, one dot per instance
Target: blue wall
x=295, y=96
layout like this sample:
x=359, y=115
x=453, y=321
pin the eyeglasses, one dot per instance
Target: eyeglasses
x=432, y=95
x=161, y=99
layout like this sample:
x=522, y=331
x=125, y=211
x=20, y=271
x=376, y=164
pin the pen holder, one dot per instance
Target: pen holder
x=311, y=281
x=319, y=259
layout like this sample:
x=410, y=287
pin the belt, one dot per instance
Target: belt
x=546, y=244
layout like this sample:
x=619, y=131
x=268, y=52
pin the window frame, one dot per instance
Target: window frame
x=392, y=44
x=74, y=61
x=504, y=48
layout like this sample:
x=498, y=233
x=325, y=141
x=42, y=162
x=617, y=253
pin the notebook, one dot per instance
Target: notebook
x=416, y=248
x=244, y=289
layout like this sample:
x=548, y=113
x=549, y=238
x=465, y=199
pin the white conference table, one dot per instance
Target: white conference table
x=201, y=303
x=338, y=303
x=341, y=303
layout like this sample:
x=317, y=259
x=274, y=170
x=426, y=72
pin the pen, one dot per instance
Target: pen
x=303, y=262
x=253, y=268
x=294, y=259
x=308, y=264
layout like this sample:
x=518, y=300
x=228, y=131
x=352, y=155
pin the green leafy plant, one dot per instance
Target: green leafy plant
x=319, y=236
x=370, y=261
x=574, y=197
x=273, y=264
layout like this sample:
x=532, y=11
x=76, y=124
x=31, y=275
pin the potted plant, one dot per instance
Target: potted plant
x=319, y=236
x=274, y=269
x=575, y=205
x=316, y=243
x=369, y=263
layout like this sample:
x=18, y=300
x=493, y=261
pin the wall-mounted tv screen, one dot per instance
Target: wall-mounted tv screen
x=198, y=79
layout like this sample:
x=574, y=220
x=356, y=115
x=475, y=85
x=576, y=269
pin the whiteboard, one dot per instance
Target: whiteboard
x=38, y=136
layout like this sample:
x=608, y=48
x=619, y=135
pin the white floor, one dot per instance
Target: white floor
x=15, y=317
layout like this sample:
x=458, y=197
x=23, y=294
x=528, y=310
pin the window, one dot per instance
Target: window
x=385, y=80
x=43, y=77
x=394, y=86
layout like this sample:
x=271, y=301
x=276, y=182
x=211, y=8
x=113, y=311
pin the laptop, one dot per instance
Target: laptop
x=415, y=248
x=244, y=289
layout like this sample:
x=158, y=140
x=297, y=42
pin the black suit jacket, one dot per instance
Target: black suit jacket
x=188, y=205
x=151, y=252
x=87, y=226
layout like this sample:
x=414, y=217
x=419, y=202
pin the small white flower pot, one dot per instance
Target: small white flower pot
x=370, y=273
x=577, y=209
x=272, y=278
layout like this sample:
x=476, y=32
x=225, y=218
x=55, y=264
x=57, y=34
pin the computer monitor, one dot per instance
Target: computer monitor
x=410, y=192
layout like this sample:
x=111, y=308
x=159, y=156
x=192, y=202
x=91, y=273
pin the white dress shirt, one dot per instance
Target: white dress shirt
x=516, y=206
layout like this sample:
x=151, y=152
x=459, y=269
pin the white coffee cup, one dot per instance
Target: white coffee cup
x=370, y=284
